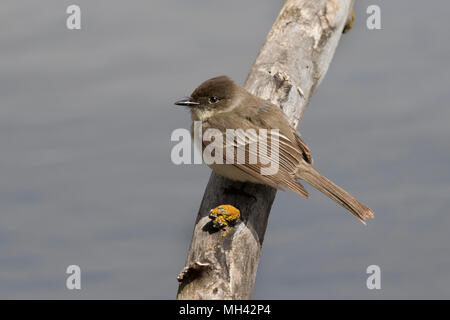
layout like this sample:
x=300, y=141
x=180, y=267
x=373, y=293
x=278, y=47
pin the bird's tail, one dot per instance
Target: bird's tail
x=334, y=192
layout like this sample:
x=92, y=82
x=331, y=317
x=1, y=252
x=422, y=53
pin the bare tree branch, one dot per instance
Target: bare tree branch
x=288, y=69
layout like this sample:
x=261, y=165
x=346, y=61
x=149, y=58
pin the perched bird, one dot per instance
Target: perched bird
x=221, y=104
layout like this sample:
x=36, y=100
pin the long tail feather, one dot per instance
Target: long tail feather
x=336, y=193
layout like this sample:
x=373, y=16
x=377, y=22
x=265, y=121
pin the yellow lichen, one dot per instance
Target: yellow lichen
x=350, y=22
x=224, y=215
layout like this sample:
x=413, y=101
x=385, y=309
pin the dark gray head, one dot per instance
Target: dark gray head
x=214, y=93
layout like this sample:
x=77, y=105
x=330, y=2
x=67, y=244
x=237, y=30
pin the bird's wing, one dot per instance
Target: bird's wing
x=258, y=154
x=271, y=116
x=305, y=149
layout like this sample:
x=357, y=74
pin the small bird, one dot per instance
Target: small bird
x=221, y=104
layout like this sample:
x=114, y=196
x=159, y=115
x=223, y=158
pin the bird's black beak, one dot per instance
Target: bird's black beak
x=186, y=102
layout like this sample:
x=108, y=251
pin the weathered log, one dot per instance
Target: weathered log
x=288, y=69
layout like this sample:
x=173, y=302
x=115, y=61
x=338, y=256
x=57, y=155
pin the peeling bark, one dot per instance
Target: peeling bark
x=288, y=69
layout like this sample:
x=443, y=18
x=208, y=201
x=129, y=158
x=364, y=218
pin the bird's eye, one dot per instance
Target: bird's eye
x=213, y=99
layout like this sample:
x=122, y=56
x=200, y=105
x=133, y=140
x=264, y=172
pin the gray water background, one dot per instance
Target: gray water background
x=86, y=176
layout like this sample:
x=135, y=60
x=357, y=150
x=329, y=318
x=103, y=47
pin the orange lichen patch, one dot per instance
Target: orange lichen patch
x=350, y=23
x=224, y=216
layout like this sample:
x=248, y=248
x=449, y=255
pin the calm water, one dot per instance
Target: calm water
x=86, y=177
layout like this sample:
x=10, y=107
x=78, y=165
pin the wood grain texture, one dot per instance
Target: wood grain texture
x=288, y=69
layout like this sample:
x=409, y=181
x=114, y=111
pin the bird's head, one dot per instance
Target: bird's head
x=213, y=95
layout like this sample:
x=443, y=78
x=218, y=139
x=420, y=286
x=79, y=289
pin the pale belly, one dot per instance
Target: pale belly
x=231, y=172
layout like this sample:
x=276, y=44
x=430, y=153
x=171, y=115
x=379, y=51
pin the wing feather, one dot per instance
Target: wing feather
x=287, y=161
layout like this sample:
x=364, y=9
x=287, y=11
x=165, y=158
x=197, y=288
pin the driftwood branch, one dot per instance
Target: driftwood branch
x=288, y=69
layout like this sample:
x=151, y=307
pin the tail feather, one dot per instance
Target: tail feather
x=336, y=193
